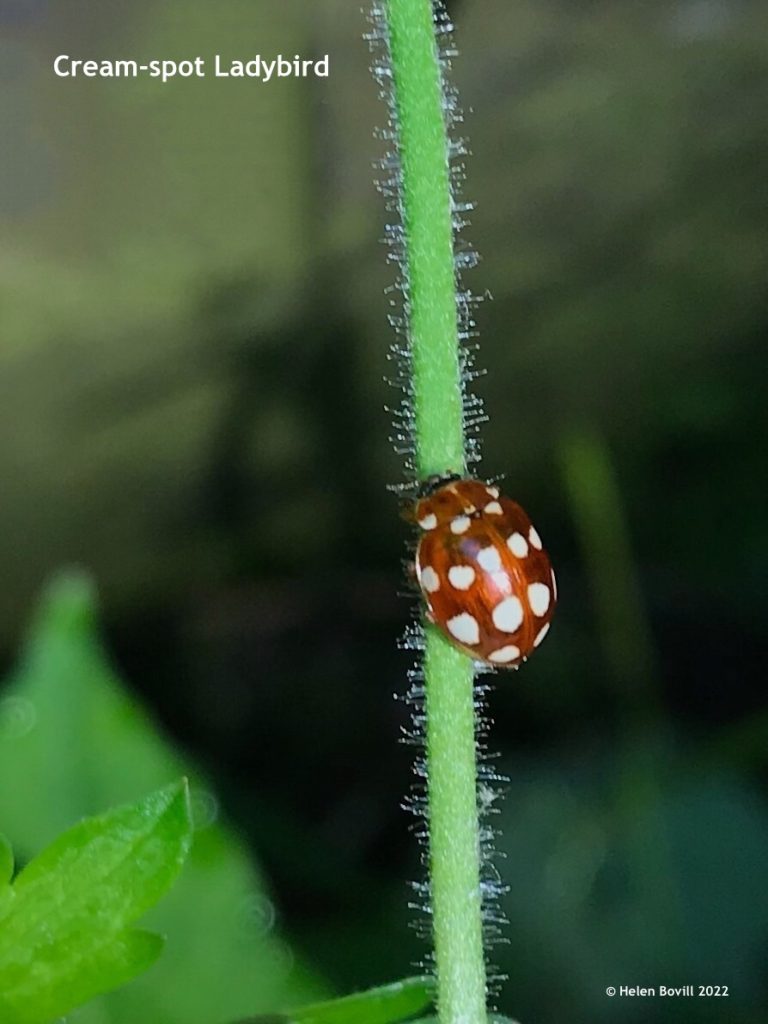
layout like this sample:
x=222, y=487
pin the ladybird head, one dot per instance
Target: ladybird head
x=431, y=497
x=451, y=497
x=435, y=482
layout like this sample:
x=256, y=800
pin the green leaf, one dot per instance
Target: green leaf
x=494, y=1019
x=6, y=861
x=79, y=741
x=63, y=936
x=383, y=1005
x=98, y=861
x=387, y=1004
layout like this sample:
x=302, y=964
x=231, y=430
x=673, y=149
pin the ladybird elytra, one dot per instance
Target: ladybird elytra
x=483, y=571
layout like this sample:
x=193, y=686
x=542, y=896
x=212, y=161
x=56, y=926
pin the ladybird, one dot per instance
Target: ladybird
x=483, y=571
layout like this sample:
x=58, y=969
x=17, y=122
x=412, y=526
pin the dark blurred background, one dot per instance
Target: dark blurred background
x=193, y=349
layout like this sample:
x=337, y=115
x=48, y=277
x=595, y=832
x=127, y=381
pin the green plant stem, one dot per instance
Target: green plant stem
x=440, y=446
x=426, y=211
x=453, y=833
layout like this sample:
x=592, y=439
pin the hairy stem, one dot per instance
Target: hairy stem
x=431, y=303
x=427, y=218
x=453, y=834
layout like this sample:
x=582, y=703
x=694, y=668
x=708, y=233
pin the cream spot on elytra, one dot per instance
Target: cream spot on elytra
x=538, y=598
x=542, y=633
x=464, y=628
x=504, y=654
x=489, y=559
x=460, y=524
x=518, y=545
x=508, y=615
x=461, y=576
x=429, y=579
x=534, y=538
x=429, y=522
x=493, y=508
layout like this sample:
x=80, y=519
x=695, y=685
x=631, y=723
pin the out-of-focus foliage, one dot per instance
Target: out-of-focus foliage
x=176, y=242
x=493, y=1019
x=387, y=1004
x=63, y=923
x=74, y=740
x=635, y=867
x=6, y=861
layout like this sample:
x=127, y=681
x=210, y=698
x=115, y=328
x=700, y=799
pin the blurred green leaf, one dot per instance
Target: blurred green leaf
x=76, y=741
x=6, y=861
x=624, y=877
x=494, y=1019
x=386, y=1004
x=383, y=1005
x=63, y=937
